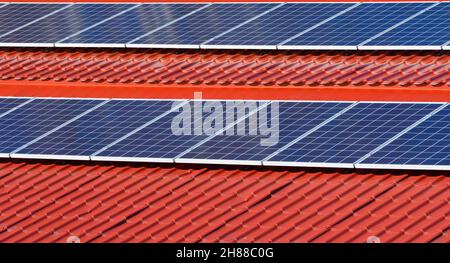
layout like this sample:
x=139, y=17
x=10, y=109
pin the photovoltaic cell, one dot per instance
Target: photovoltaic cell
x=355, y=133
x=205, y=24
x=159, y=140
x=36, y=118
x=64, y=23
x=7, y=104
x=294, y=118
x=13, y=16
x=134, y=23
x=99, y=128
x=358, y=24
x=280, y=24
x=431, y=28
x=426, y=144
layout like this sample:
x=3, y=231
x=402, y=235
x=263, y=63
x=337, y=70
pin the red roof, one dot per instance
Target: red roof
x=49, y=202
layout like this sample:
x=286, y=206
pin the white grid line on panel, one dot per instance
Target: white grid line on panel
x=398, y=24
x=412, y=126
x=60, y=126
x=182, y=103
x=311, y=131
x=319, y=24
x=36, y=20
x=170, y=23
x=242, y=24
x=101, y=22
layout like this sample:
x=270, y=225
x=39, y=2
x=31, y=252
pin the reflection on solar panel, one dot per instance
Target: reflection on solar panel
x=229, y=25
x=278, y=25
x=158, y=142
x=7, y=104
x=63, y=23
x=38, y=117
x=429, y=30
x=427, y=146
x=132, y=24
x=98, y=128
x=14, y=16
x=357, y=24
x=203, y=25
x=294, y=118
x=350, y=136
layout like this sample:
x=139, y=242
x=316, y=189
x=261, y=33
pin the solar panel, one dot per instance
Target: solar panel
x=159, y=142
x=36, y=118
x=284, y=122
x=197, y=28
x=426, y=146
x=8, y=104
x=14, y=16
x=97, y=129
x=350, y=136
x=356, y=25
x=62, y=24
x=278, y=25
x=429, y=30
x=130, y=25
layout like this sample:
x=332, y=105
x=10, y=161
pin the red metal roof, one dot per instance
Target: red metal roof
x=333, y=75
x=49, y=202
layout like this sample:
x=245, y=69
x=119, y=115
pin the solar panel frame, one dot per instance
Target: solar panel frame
x=94, y=131
x=347, y=164
x=332, y=34
x=370, y=45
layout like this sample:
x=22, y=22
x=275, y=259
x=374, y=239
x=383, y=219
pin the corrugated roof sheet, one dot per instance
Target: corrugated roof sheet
x=101, y=202
x=225, y=68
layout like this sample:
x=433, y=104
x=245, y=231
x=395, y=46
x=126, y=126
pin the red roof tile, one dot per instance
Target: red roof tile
x=225, y=68
x=48, y=202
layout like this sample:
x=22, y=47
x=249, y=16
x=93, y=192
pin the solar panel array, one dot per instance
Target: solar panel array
x=279, y=133
x=413, y=25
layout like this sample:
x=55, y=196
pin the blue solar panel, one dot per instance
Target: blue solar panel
x=294, y=118
x=99, y=128
x=426, y=144
x=36, y=118
x=428, y=29
x=13, y=16
x=358, y=24
x=355, y=133
x=134, y=23
x=204, y=24
x=7, y=104
x=64, y=23
x=158, y=139
x=280, y=24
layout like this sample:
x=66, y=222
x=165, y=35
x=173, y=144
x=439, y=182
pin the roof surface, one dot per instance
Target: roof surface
x=49, y=202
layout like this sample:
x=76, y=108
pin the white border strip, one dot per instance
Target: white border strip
x=242, y=24
x=4, y=156
x=95, y=154
x=59, y=127
x=403, y=167
x=50, y=157
x=131, y=159
x=288, y=47
x=170, y=23
x=218, y=161
x=36, y=20
x=27, y=44
x=399, y=47
x=181, y=46
x=325, y=122
x=258, y=47
x=307, y=164
x=398, y=24
x=398, y=135
x=90, y=45
x=319, y=24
